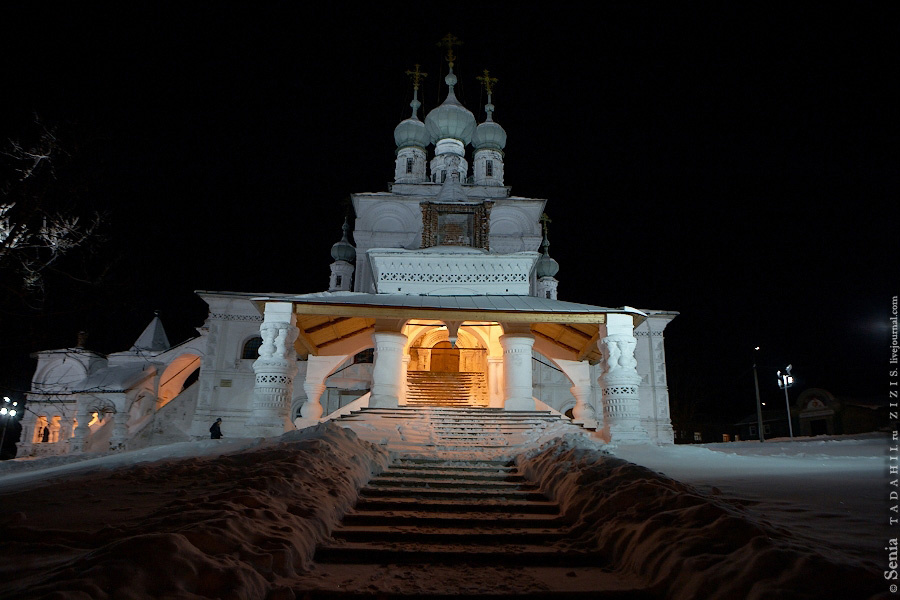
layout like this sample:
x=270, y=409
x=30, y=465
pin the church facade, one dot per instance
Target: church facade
x=449, y=285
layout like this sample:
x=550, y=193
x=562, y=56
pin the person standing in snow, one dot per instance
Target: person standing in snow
x=215, y=432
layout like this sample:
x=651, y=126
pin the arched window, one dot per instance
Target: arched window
x=251, y=348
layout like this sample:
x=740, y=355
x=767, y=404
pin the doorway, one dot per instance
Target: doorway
x=445, y=358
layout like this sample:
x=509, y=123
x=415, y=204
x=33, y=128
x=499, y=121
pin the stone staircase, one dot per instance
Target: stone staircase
x=453, y=517
x=456, y=432
x=450, y=389
x=452, y=512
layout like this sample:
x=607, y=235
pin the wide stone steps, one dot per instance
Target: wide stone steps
x=430, y=388
x=450, y=504
x=464, y=553
x=437, y=511
x=452, y=513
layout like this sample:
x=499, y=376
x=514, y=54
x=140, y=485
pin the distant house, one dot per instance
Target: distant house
x=819, y=412
x=774, y=425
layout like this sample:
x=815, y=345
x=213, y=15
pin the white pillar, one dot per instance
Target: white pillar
x=82, y=430
x=318, y=368
x=579, y=373
x=518, y=392
x=119, y=437
x=495, y=379
x=275, y=369
x=620, y=381
x=387, y=372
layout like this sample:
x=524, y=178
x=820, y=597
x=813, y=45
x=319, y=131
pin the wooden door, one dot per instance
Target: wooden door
x=444, y=358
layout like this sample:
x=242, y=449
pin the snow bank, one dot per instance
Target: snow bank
x=686, y=544
x=232, y=526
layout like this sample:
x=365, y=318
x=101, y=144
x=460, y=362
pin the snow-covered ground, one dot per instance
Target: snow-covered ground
x=832, y=491
x=240, y=518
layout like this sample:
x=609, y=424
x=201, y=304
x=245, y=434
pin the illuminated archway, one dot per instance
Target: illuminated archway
x=173, y=378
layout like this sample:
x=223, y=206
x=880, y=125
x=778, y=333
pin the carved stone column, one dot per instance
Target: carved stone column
x=119, y=437
x=518, y=391
x=318, y=368
x=579, y=373
x=620, y=381
x=275, y=370
x=387, y=372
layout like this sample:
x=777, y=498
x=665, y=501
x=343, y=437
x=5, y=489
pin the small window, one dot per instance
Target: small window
x=548, y=295
x=409, y=165
x=767, y=429
x=251, y=348
x=443, y=176
x=753, y=430
x=337, y=280
x=489, y=168
x=698, y=437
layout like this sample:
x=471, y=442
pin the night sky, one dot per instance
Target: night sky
x=738, y=166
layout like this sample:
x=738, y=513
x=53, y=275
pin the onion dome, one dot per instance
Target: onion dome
x=343, y=250
x=489, y=135
x=412, y=132
x=546, y=266
x=450, y=120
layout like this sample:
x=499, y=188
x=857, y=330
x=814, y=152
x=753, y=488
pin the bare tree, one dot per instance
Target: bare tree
x=36, y=228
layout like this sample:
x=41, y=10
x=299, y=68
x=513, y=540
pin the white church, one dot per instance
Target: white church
x=448, y=298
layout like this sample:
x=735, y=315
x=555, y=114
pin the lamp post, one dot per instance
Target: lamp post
x=7, y=411
x=759, y=417
x=786, y=380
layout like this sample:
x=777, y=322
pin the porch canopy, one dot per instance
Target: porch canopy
x=326, y=319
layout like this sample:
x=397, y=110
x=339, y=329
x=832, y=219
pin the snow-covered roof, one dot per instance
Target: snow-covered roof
x=116, y=379
x=153, y=338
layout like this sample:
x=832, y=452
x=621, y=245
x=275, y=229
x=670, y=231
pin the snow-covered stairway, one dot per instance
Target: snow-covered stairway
x=450, y=512
x=459, y=433
x=452, y=517
x=436, y=528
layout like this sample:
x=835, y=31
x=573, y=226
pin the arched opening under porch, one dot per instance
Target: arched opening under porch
x=447, y=364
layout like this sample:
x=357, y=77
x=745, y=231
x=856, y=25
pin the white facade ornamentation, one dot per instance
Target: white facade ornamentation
x=275, y=370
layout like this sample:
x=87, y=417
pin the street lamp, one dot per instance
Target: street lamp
x=7, y=410
x=786, y=380
x=759, y=418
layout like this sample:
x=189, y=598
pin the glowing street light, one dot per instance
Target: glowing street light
x=786, y=380
x=8, y=410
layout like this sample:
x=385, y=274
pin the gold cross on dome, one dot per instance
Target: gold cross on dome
x=448, y=41
x=417, y=76
x=545, y=220
x=488, y=82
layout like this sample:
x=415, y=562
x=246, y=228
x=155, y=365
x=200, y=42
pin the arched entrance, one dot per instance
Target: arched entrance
x=444, y=358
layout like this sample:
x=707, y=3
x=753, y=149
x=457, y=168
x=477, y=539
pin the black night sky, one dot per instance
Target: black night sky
x=738, y=166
